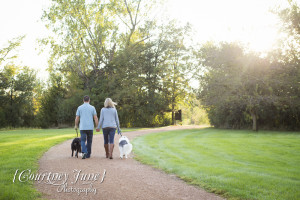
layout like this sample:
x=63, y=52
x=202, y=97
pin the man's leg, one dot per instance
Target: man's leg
x=89, y=143
x=83, y=140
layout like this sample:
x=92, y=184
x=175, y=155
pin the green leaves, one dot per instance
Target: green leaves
x=237, y=85
x=16, y=89
x=9, y=53
x=112, y=49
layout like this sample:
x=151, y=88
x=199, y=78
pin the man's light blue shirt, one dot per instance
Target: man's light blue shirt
x=86, y=112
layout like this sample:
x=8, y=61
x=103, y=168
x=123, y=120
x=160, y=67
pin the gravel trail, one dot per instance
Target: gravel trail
x=124, y=179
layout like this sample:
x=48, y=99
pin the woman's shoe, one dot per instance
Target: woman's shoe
x=111, y=149
x=106, y=150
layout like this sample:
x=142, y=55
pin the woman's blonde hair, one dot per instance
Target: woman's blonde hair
x=108, y=103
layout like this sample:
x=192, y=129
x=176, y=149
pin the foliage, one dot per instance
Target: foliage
x=290, y=17
x=9, y=53
x=118, y=49
x=16, y=88
x=239, y=89
x=193, y=112
x=113, y=49
x=50, y=104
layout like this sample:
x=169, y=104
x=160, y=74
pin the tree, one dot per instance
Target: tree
x=50, y=103
x=112, y=49
x=236, y=84
x=286, y=66
x=17, y=85
x=89, y=35
x=237, y=87
x=174, y=54
x=16, y=88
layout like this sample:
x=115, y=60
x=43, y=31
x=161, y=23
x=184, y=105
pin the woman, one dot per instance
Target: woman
x=109, y=122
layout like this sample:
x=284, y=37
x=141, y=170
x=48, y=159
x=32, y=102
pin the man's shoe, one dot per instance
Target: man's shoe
x=88, y=156
x=83, y=155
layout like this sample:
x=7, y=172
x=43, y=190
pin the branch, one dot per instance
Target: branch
x=133, y=23
x=137, y=10
x=141, y=40
x=89, y=32
x=2, y=59
x=88, y=53
x=129, y=12
x=78, y=62
x=123, y=21
x=112, y=52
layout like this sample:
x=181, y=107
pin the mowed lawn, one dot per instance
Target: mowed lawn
x=236, y=164
x=21, y=149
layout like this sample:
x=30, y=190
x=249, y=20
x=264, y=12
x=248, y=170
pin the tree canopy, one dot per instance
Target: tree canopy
x=241, y=89
x=118, y=49
x=114, y=49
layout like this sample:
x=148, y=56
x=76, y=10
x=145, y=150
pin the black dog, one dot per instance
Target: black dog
x=76, y=146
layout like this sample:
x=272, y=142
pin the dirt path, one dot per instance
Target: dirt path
x=124, y=179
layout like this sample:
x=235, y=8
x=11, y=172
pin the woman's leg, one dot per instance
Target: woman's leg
x=112, y=132
x=105, y=137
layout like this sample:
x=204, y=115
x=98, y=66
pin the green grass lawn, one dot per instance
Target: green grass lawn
x=21, y=149
x=237, y=164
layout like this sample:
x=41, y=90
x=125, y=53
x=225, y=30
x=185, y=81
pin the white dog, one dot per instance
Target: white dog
x=124, y=146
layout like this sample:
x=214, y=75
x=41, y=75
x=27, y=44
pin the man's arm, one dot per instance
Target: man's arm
x=96, y=120
x=76, y=122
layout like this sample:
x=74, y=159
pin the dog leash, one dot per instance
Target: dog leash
x=76, y=132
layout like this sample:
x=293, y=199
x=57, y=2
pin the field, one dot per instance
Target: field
x=236, y=164
x=21, y=149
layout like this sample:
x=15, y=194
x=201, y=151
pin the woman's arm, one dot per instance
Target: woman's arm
x=100, y=119
x=117, y=122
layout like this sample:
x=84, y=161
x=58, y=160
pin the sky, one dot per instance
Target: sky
x=247, y=21
x=19, y=17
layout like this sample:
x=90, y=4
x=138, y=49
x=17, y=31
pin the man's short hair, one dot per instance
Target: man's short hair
x=86, y=98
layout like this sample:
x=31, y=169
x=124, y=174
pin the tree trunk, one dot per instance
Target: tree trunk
x=11, y=105
x=254, y=119
x=173, y=115
x=173, y=95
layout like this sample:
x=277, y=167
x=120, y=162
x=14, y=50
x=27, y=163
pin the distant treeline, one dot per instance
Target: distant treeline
x=240, y=89
x=102, y=49
x=115, y=49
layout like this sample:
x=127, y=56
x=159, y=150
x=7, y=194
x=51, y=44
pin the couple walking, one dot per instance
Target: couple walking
x=108, y=120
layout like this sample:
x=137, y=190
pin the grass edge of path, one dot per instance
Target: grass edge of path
x=190, y=181
x=22, y=149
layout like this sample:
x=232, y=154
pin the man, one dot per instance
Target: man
x=86, y=113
